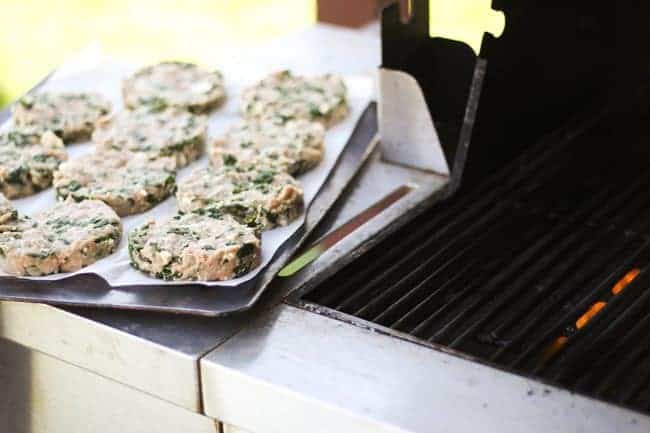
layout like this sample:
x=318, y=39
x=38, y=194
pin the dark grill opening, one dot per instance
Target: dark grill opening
x=542, y=270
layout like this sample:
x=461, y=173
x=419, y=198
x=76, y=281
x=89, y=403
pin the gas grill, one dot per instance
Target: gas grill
x=538, y=262
x=542, y=269
x=486, y=270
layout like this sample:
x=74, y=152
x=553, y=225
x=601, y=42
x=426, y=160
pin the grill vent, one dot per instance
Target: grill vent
x=543, y=270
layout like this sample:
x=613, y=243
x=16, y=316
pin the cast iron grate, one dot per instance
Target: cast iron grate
x=542, y=270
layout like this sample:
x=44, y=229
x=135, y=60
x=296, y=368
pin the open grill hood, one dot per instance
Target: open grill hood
x=539, y=261
x=553, y=61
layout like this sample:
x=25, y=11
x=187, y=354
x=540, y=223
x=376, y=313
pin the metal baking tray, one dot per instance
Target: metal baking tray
x=92, y=291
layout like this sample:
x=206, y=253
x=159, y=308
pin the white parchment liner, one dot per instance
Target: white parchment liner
x=105, y=77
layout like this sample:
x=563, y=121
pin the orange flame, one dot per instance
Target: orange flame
x=589, y=314
x=582, y=321
x=627, y=279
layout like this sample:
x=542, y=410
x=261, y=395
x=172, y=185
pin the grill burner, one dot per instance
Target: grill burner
x=544, y=269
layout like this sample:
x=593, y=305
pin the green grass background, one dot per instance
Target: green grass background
x=39, y=34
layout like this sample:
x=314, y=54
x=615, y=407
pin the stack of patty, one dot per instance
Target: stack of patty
x=131, y=170
x=163, y=123
x=281, y=135
x=248, y=188
x=32, y=150
x=68, y=236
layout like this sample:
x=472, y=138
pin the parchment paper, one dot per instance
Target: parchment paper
x=105, y=76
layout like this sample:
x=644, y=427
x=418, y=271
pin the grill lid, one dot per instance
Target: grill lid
x=553, y=60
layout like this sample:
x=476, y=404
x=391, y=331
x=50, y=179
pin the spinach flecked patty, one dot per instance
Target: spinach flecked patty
x=8, y=212
x=65, y=238
x=174, y=84
x=130, y=183
x=290, y=97
x=169, y=132
x=296, y=146
x=194, y=247
x=259, y=196
x=28, y=161
x=71, y=116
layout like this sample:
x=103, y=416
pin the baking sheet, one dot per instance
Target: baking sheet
x=105, y=77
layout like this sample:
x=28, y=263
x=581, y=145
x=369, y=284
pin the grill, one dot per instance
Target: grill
x=542, y=269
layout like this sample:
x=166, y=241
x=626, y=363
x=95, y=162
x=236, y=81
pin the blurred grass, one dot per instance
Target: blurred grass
x=39, y=34
x=464, y=20
x=4, y=99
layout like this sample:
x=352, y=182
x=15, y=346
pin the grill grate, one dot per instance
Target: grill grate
x=543, y=270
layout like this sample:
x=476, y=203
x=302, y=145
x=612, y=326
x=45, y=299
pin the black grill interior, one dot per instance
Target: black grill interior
x=542, y=269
